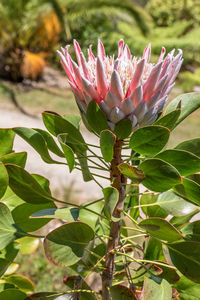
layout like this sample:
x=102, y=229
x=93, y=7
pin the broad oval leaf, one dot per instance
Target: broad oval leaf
x=51, y=144
x=6, y=141
x=68, y=214
x=26, y=223
x=21, y=282
x=36, y=140
x=155, y=291
x=121, y=292
x=7, y=255
x=26, y=187
x=169, y=120
x=7, y=227
x=192, y=146
x=131, y=172
x=123, y=129
x=188, y=289
x=65, y=245
x=192, y=231
x=160, y=175
x=175, y=205
x=189, y=190
x=28, y=245
x=111, y=197
x=186, y=258
x=161, y=229
x=185, y=162
x=107, y=140
x=189, y=103
x=13, y=294
x=3, y=179
x=68, y=152
x=149, y=140
x=18, y=159
x=96, y=117
x=150, y=206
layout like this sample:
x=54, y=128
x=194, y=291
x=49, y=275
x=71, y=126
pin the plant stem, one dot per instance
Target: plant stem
x=119, y=182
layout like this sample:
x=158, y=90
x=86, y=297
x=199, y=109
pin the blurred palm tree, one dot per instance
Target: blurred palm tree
x=30, y=29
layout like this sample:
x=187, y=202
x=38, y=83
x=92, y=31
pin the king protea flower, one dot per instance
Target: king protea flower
x=125, y=87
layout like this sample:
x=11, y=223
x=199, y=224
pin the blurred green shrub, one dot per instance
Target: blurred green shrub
x=165, y=13
x=189, y=80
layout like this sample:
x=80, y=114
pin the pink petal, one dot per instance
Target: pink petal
x=91, y=56
x=66, y=68
x=77, y=74
x=127, y=52
x=105, y=107
x=162, y=54
x=76, y=91
x=147, y=53
x=68, y=57
x=120, y=48
x=90, y=90
x=165, y=66
x=84, y=66
x=137, y=95
x=140, y=111
x=77, y=51
x=151, y=81
x=102, y=86
x=116, y=64
x=116, y=86
x=136, y=77
x=100, y=50
x=160, y=84
x=116, y=115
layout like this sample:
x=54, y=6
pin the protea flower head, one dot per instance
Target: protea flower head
x=125, y=87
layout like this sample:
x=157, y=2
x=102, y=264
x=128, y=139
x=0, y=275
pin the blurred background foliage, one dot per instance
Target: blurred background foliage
x=31, y=31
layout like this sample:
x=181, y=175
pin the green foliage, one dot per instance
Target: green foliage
x=146, y=228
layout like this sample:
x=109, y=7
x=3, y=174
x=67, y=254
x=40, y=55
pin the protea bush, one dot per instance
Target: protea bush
x=139, y=236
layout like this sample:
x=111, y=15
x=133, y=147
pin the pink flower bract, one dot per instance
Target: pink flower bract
x=125, y=87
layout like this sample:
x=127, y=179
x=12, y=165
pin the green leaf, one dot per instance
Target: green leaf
x=185, y=162
x=28, y=245
x=44, y=296
x=73, y=119
x=189, y=190
x=7, y=255
x=188, y=289
x=178, y=221
x=36, y=140
x=56, y=125
x=111, y=197
x=155, y=291
x=189, y=103
x=154, y=250
x=50, y=142
x=107, y=140
x=68, y=214
x=26, y=187
x=73, y=138
x=131, y=172
x=7, y=227
x=89, y=217
x=96, y=118
x=65, y=245
x=169, y=120
x=132, y=199
x=192, y=231
x=160, y=175
x=149, y=140
x=3, y=179
x=43, y=182
x=20, y=282
x=26, y=210
x=18, y=159
x=68, y=152
x=123, y=129
x=161, y=229
x=154, y=210
x=11, y=199
x=175, y=205
x=120, y=292
x=192, y=146
x=6, y=141
x=186, y=258
x=13, y=294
